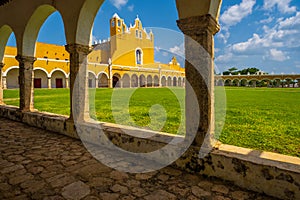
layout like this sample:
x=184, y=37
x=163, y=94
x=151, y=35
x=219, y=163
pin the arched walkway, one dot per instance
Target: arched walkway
x=58, y=79
x=12, y=78
x=126, y=81
x=103, y=80
x=142, y=81
x=156, y=81
x=92, y=80
x=163, y=81
x=149, y=81
x=134, y=80
x=116, y=80
x=174, y=81
x=40, y=79
x=169, y=82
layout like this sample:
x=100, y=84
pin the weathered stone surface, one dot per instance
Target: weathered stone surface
x=160, y=195
x=119, y=189
x=74, y=191
x=48, y=178
x=199, y=192
x=220, y=188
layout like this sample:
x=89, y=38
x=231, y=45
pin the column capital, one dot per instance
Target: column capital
x=86, y=49
x=197, y=24
x=27, y=59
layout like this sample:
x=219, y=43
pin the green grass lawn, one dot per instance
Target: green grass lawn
x=259, y=118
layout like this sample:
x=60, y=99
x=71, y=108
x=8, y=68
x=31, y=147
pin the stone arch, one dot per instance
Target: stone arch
x=92, y=79
x=179, y=82
x=134, y=80
x=103, y=80
x=116, y=80
x=235, y=82
x=40, y=78
x=33, y=27
x=58, y=78
x=174, y=81
x=12, y=77
x=126, y=81
x=5, y=32
x=163, y=81
x=156, y=81
x=86, y=19
x=142, y=80
x=227, y=82
x=169, y=81
x=149, y=81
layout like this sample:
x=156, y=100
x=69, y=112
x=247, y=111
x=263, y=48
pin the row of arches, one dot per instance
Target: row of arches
x=288, y=82
x=59, y=79
x=127, y=81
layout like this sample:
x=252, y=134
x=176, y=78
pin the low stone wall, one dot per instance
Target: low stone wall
x=270, y=173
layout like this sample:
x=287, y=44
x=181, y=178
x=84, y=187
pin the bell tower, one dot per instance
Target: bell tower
x=117, y=25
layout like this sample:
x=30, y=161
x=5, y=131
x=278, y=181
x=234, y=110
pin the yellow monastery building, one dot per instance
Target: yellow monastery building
x=126, y=59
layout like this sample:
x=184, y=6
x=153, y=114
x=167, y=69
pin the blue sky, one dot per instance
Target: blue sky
x=254, y=33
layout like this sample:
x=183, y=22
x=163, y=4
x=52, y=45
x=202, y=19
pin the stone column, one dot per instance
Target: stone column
x=159, y=76
x=79, y=105
x=1, y=84
x=97, y=83
x=49, y=82
x=110, y=78
x=67, y=82
x=199, y=70
x=26, y=75
x=4, y=83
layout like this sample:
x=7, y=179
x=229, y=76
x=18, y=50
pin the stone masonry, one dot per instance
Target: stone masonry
x=38, y=164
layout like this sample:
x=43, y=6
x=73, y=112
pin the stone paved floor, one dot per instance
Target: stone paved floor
x=38, y=164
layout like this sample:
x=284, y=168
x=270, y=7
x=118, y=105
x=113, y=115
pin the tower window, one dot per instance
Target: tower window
x=119, y=23
x=137, y=34
x=138, y=55
x=141, y=34
x=113, y=23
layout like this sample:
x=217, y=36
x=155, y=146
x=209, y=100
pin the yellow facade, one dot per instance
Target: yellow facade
x=129, y=52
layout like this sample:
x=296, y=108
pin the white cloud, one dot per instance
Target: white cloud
x=278, y=55
x=178, y=50
x=224, y=58
x=119, y=3
x=267, y=20
x=130, y=8
x=282, y=5
x=235, y=14
x=290, y=22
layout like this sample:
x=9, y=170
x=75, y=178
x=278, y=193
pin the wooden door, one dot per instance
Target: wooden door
x=59, y=83
x=37, y=83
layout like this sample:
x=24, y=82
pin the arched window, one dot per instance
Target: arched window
x=138, y=56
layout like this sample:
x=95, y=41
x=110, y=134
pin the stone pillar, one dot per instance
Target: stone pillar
x=49, y=82
x=97, y=83
x=159, y=77
x=201, y=76
x=110, y=76
x=79, y=105
x=67, y=82
x=1, y=84
x=26, y=75
x=4, y=83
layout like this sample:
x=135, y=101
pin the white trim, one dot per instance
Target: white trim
x=89, y=71
x=60, y=70
x=102, y=73
x=8, y=69
x=42, y=69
